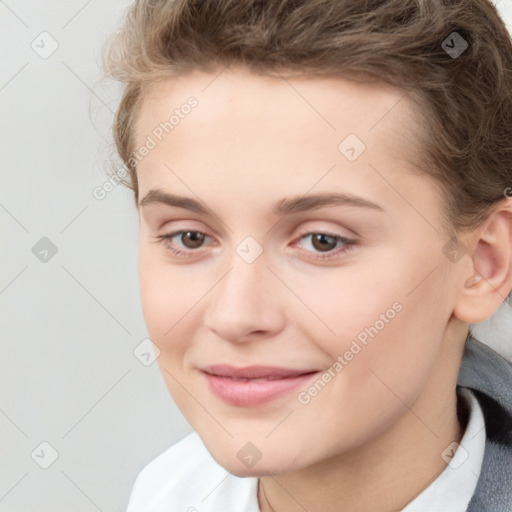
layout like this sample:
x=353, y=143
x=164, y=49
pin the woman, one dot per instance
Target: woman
x=322, y=194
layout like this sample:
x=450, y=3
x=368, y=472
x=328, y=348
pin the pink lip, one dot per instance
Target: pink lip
x=277, y=381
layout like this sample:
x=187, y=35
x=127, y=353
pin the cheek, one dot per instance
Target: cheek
x=383, y=322
x=167, y=290
x=166, y=298
x=344, y=303
x=375, y=377
x=167, y=303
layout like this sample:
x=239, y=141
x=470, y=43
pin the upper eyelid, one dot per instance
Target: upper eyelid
x=330, y=231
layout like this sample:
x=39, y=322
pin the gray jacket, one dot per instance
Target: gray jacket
x=489, y=376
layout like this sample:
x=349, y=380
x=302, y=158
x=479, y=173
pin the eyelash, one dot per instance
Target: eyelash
x=347, y=247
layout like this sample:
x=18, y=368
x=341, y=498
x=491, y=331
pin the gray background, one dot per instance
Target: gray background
x=72, y=320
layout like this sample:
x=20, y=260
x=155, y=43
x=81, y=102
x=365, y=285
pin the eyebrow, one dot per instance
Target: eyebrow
x=281, y=208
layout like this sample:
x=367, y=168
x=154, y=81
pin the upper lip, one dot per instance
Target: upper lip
x=254, y=372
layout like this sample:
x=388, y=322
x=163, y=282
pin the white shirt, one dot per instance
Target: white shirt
x=186, y=478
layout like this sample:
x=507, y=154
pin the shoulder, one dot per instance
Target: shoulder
x=487, y=372
x=185, y=477
x=489, y=376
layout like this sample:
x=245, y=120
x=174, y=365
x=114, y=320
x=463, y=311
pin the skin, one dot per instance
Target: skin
x=249, y=143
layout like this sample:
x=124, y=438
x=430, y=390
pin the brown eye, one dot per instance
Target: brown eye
x=323, y=242
x=192, y=239
x=323, y=246
x=183, y=243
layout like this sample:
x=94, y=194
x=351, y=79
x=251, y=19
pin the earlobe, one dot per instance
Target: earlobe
x=485, y=290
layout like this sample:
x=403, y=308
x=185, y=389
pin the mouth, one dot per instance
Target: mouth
x=254, y=385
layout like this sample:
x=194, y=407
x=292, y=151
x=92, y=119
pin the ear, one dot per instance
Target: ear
x=483, y=291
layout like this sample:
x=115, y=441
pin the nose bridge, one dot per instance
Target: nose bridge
x=247, y=280
x=244, y=300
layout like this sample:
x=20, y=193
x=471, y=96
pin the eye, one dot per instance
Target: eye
x=325, y=243
x=325, y=246
x=191, y=239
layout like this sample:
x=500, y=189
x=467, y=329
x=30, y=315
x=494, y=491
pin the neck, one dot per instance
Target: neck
x=390, y=470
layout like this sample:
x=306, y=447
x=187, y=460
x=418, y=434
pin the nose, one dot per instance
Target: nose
x=246, y=303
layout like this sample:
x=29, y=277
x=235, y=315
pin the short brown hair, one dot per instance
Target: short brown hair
x=465, y=101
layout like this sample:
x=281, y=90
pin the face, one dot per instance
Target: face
x=271, y=237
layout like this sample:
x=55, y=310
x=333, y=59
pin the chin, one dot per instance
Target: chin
x=273, y=465
x=260, y=469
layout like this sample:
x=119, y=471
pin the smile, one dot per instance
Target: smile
x=246, y=387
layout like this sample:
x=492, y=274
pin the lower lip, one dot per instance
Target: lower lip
x=251, y=393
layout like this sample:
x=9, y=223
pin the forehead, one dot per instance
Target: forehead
x=258, y=133
x=306, y=108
